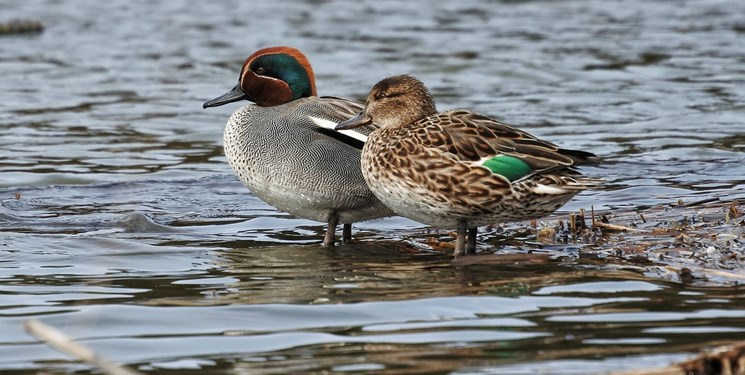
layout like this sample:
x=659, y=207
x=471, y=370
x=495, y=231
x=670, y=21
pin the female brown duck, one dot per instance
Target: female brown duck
x=459, y=169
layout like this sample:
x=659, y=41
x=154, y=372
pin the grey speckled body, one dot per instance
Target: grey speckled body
x=284, y=147
x=291, y=163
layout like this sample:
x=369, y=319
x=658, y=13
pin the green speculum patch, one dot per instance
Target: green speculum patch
x=510, y=167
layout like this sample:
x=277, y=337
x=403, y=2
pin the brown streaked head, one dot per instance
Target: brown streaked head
x=394, y=101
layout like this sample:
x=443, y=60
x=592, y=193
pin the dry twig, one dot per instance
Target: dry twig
x=61, y=342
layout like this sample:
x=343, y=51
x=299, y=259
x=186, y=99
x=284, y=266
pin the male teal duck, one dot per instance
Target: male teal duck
x=459, y=169
x=285, y=150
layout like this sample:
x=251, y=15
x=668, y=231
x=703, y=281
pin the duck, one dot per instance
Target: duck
x=284, y=147
x=460, y=169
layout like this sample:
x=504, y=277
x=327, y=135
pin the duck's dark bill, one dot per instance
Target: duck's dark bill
x=233, y=95
x=359, y=120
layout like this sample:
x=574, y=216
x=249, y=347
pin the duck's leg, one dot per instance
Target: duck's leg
x=331, y=231
x=460, y=241
x=346, y=234
x=471, y=245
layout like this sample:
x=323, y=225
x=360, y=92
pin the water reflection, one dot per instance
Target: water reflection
x=273, y=306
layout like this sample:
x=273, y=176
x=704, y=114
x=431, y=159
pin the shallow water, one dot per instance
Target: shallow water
x=122, y=224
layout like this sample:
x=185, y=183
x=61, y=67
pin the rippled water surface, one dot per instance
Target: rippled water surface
x=122, y=224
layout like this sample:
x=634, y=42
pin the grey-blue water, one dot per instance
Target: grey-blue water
x=122, y=224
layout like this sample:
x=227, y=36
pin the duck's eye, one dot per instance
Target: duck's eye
x=260, y=70
x=381, y=95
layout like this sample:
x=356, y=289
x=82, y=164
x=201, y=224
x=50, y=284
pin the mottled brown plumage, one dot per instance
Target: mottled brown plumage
x=430, y=167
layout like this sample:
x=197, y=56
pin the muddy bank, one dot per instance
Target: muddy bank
x=702, y=243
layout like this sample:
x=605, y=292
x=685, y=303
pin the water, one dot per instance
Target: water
x=122, y=224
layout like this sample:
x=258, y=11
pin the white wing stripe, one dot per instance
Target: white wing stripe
x=328, y=124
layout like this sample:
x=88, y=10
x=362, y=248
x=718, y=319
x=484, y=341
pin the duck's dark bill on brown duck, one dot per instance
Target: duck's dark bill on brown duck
x=356, y=121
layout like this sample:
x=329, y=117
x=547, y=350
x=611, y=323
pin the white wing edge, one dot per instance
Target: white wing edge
x=328, y=124
x=483, y=160
x=549, y=190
